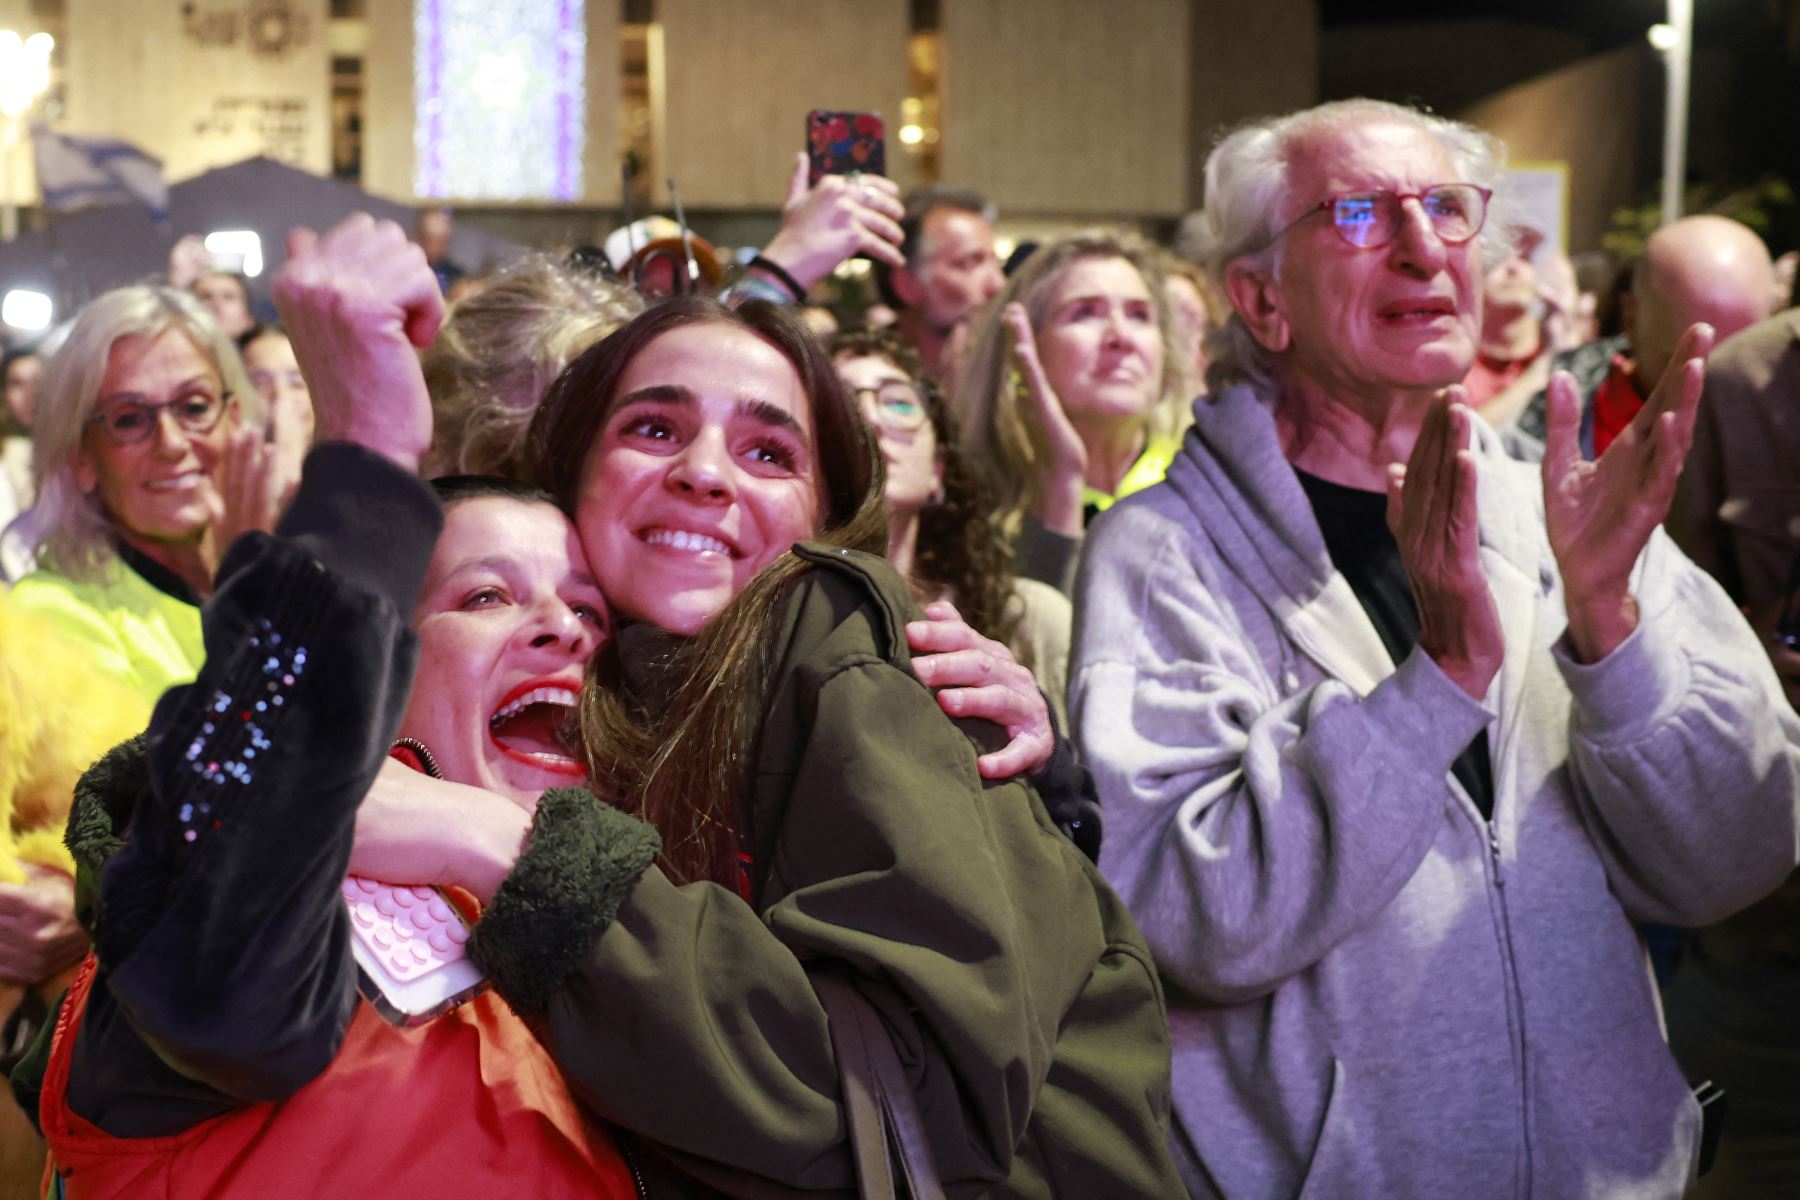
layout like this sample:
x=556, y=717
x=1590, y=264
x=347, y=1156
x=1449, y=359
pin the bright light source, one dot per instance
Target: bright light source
x=501, y=79
x=237, y=249
x=1004, y=246
x=24, y=70
x=912, y=135
x=27, y=311
x=1663, y=37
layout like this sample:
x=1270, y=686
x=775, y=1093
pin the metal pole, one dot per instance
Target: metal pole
x=9, y=209
x=1677, y=59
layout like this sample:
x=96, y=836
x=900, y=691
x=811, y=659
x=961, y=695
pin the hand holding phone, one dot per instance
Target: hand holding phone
x=410, y=945
x=844, y=143
x=834, y=218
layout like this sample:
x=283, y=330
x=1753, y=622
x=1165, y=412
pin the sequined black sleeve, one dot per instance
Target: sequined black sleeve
x=225, y=967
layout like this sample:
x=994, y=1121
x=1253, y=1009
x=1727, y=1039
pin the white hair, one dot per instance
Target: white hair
x=1247, y=193
x=73, y=533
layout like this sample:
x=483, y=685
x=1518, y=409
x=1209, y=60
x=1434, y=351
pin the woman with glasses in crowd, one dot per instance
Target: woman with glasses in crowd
x=943, y=535
x=1075, y=391
x=131, y=436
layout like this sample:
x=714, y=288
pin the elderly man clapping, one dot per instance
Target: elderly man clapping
x=1397, y=742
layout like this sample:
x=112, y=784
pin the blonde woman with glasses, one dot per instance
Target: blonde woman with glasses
x=135, y=423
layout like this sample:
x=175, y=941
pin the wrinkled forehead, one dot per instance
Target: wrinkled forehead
x=868, y=370
x=505, y=530
x=1369, y=155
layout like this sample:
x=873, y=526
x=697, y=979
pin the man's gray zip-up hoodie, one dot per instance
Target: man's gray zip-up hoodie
x=1374, y=992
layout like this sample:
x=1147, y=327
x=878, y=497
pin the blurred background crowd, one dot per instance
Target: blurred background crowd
x=1025, y=299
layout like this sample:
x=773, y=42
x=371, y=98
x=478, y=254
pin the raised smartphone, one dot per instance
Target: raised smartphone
x=840, y=142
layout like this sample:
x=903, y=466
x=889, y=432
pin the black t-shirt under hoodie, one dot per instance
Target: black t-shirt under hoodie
x=1363, y=550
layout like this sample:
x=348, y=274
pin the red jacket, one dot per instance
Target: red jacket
x=468, y=1104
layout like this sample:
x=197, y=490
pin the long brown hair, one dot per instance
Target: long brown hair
x=962, y=549
x=682, y=766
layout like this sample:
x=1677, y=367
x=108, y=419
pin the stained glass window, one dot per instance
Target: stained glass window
x=501, y=90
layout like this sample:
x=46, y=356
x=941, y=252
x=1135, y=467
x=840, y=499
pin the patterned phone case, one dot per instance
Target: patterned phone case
x=411, y=949
x=838, y=143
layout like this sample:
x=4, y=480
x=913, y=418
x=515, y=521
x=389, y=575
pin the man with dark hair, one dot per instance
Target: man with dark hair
x=950, y=272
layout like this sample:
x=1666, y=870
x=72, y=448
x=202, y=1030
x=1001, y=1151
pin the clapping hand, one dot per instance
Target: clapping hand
x=39, y=935
x=356, y=302
x=258, y=476
x=1433, y=514
x=1601, y=514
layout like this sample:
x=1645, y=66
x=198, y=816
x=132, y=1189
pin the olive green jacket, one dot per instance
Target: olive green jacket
x=1018, y=991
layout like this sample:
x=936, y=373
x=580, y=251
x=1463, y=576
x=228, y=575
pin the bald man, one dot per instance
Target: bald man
x=1710, y=269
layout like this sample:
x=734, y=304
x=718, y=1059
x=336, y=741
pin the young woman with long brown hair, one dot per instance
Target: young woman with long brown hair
x=784, y=792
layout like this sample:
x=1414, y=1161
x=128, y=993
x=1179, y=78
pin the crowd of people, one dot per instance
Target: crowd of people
x=1229, y=720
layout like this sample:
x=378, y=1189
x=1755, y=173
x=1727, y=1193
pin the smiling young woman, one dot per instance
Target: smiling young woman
x=758, y=707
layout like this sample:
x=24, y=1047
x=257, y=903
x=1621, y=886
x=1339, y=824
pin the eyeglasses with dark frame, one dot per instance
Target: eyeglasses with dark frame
x=899, y=405
x=1370, y=220
x=129, y=419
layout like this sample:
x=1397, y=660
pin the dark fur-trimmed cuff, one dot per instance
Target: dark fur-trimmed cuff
x=105, y=795
x=583, y=859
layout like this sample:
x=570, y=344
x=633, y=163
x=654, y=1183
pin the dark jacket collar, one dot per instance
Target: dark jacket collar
x=649, y=663
x=155, y=574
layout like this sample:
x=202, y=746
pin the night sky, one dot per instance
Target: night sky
x=1604, y=23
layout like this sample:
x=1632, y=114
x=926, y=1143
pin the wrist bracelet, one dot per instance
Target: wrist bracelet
x=758, y=287
x=780, y=272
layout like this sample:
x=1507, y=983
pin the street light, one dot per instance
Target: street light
x=24, y=76
x=240, y=248
x=1674, y=40
x=26, y=310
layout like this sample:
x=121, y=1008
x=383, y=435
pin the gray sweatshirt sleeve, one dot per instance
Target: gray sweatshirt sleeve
x=1250, y=832
x=1683, y=752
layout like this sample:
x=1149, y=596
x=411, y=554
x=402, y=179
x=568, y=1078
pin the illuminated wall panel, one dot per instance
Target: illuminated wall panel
x=500, y=99
x=1067, y=106
x=741, y=78
x=201, y=84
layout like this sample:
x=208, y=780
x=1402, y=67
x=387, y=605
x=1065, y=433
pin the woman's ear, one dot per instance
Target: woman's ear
x=87, y=475
x=1256, y=298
